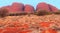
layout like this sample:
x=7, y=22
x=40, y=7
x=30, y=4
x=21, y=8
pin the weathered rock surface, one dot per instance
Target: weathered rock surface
x=42, y=6
x=29, y=22
x=52, y=8
x=45, y=6
x=29, y=8
x=17, y=7
x=7, y=8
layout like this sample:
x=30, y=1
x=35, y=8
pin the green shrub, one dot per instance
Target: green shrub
x=43, y=12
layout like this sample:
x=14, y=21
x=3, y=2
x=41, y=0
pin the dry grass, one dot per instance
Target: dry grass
x=32, y=20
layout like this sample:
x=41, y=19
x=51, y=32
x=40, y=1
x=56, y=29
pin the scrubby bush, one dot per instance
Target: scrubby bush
x=58, y=12
x=3, y=12
x=17, y=13
x=42, y=12
x=23, y=13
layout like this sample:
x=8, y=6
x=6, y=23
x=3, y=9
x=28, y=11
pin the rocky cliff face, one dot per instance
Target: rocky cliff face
x=7, y=7
x=19, y=7
x=45, y=6
x=52, y=8
x=31, y=24
x=42, y=6
x=15, y=7
x=29, y=8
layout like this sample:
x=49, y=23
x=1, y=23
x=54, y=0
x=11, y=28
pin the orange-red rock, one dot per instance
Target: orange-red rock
x=52, y=8
x=49, y=31
x=45, y=6
x=17, y=7
x=29, y=8
x=10, y=30
x=7, y=8
x=42, y=6
x=45, y=24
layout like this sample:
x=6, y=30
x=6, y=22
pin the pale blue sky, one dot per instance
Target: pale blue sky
x=31, y=2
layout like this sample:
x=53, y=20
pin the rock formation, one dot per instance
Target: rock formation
x=45, y=6
x=42, y=6
x=52, y=8
x=29, y=8
x=7, y=8
x=17, y=7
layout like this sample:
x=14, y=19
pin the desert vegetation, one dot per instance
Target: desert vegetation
x=4, y=12
x=16, y=19
x=32, y=23
x=29, y=22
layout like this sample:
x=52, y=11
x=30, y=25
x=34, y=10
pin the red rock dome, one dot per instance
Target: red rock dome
x=7, y=8
x=29, y=8
x=17, y=7
x=45, y=6
x=52, y=8
x=42, y=6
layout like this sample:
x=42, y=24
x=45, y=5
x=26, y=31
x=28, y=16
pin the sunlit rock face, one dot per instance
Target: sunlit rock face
x=28, y=8
x=46, y=7
x=7, y=8
x=17, y=7
x=42, y=6
x=52, y=8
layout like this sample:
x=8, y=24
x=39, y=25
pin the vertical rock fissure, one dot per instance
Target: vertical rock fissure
x=49, y=7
